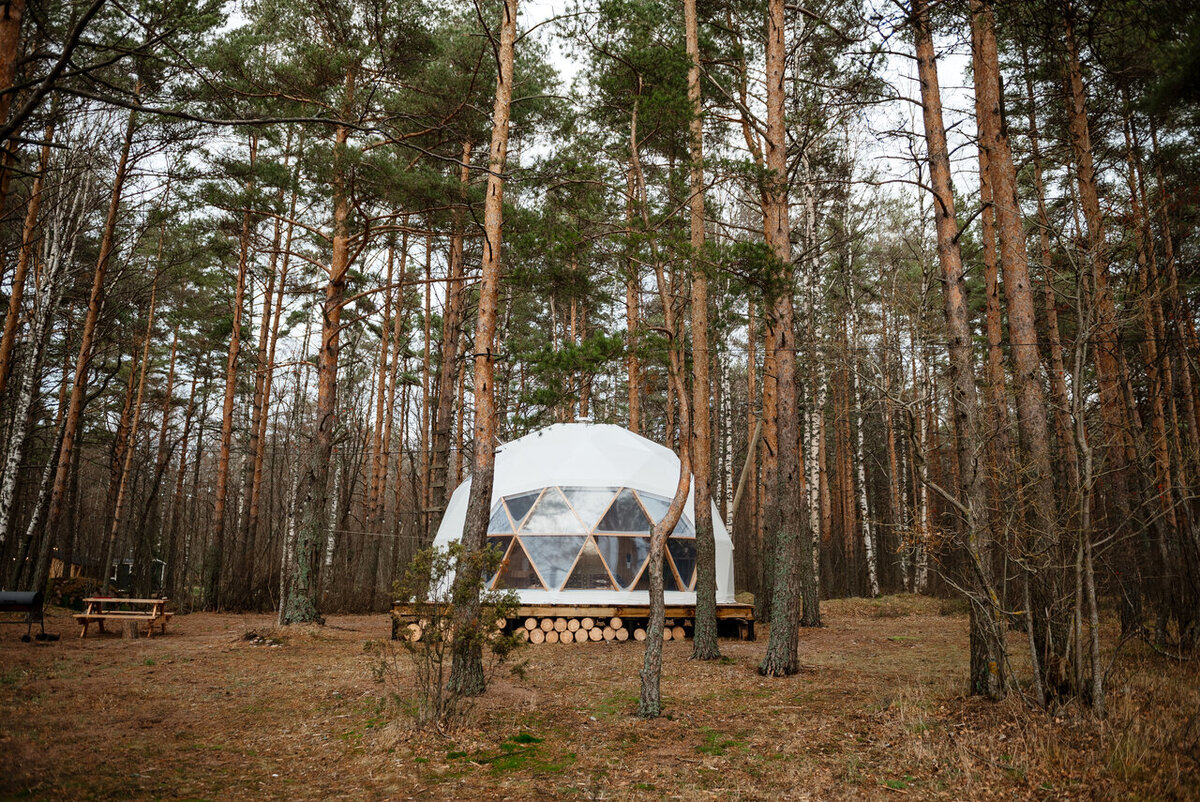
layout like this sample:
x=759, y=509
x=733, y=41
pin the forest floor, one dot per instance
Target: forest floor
x=210, y=711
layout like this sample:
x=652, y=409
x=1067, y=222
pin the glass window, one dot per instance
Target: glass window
x=589, y=502
x=499, y=524
x=655, y=505
x=500, y=544
x=589, y=573
x=669, y=581
x=517, y=572
x=551, y=515
x=625, y=556
x=553, y=555
x=683, y=553
x=625, y=515
x=520, y=504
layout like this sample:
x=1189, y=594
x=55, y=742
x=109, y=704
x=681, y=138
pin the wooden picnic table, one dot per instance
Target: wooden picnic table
x=136, y=611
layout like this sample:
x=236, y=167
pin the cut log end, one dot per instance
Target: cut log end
x=595, y=634
x=615, y=622
x=560, y=625
x=587, y=623
x=678, y=633
x=552, y=636
x=622, y=634
x=531, y=623
x=573, y=624
x=639, y=634
x=537, y=636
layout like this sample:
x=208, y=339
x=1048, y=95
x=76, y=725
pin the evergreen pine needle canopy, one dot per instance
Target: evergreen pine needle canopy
x=572, y=509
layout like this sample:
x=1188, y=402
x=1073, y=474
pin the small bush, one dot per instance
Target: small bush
x=428, y=643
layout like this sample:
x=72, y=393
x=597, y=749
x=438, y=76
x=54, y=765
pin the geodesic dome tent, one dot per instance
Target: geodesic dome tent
x=572, y=509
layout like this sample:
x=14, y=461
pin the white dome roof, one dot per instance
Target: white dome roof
x=589, y=455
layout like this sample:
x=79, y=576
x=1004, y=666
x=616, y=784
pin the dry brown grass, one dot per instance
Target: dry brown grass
x=877, y=712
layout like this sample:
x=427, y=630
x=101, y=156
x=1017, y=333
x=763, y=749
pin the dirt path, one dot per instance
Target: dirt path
x=877, y=712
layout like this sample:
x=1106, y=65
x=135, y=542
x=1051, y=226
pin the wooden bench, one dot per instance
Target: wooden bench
x=99, y=609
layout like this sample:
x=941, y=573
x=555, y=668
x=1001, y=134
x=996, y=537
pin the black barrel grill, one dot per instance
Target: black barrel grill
x=31, y=604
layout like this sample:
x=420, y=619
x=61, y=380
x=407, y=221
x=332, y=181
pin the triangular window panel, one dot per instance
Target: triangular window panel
x=516, y=572
x=625, y=515
x=669, y=581
x=625, y=556
x=683, y=528
x=683, y=553
x=519, y=505
x=589, y=573
x=500, y=545
x=553, y=555
x=655, y=505
x=499, y=524
x=589, y=503
x=552, y=515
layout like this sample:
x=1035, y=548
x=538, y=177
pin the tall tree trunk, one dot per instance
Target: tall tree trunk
x=426, y=406
x=374, y=500
x=987, y=635
x=1105, y=331
x=650, y=699
x=1041, y=548
x=792, y=536
x=216, y=561
x=466, y=673
x=1064, y=432
x=443, y=418
x=746, y=523
x=704, y=641
x=633, y=293
x=303, y=601
x=267, y=368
